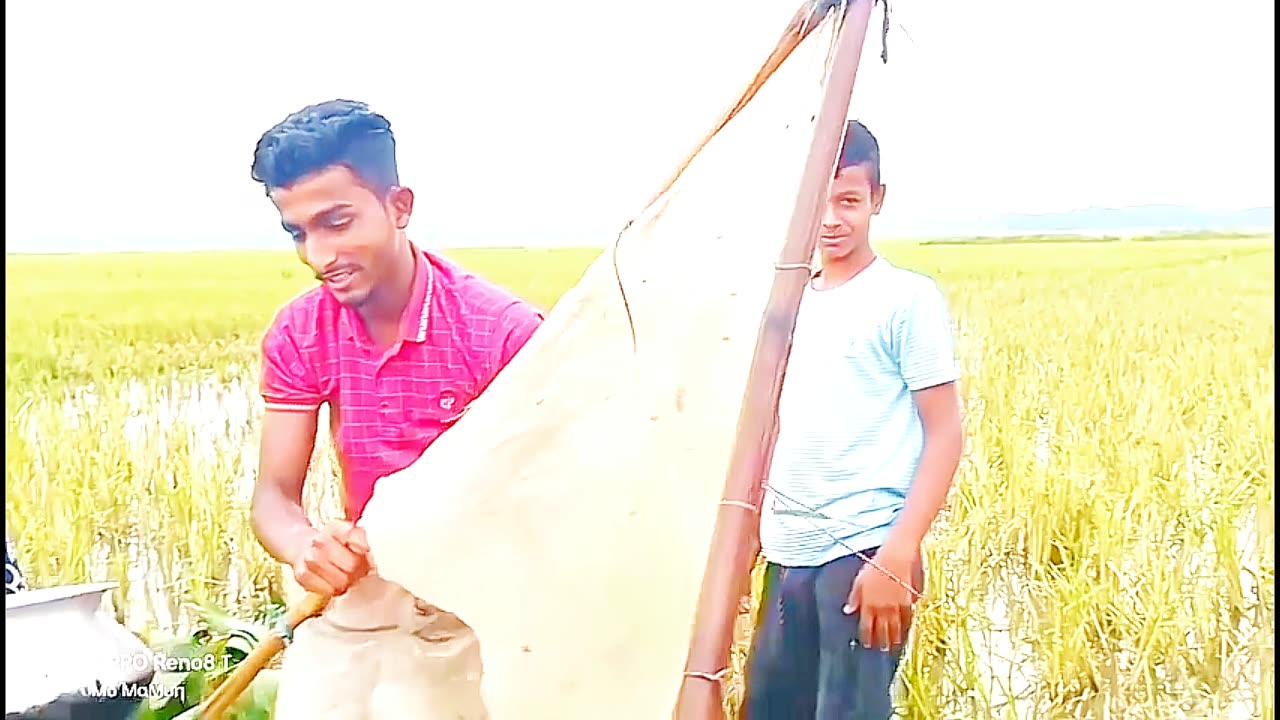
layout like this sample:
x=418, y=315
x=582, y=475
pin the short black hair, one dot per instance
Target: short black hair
x=328, y=134
x=860, y=148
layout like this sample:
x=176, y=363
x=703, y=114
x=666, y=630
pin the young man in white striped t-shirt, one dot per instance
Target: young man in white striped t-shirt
x=869, y=440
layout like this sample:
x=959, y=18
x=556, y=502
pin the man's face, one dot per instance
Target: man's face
x=851, y=202
x=343, y=231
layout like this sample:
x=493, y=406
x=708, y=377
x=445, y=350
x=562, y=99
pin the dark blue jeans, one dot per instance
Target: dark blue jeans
x=807, y=660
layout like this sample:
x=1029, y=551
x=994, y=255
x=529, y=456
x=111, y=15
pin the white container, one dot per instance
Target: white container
x=66, y=657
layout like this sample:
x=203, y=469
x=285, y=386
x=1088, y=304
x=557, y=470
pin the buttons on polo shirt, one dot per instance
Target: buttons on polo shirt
x=389, y=429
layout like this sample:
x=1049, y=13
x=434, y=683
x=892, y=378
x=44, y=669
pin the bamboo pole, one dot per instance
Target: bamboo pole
x=226, y=694
x=735, y=540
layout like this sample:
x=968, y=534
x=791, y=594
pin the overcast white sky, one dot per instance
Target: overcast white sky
x=131, y=124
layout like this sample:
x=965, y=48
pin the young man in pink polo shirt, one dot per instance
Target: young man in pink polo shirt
x=397, y=341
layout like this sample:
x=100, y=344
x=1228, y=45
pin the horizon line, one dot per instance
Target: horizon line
x=1012, y=237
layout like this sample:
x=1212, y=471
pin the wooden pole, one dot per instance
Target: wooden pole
x=734, y=542
x=226, y=694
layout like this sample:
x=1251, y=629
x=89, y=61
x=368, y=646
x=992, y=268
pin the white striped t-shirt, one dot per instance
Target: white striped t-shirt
x=849, y=436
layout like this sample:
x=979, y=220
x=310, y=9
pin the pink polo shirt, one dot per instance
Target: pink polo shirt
x=458, y=331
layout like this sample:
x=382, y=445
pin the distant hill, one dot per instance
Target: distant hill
x=1140, y=220
x=1144, y=218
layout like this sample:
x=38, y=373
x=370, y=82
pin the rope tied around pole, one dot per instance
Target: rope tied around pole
x=710, y=677
x=284, y=630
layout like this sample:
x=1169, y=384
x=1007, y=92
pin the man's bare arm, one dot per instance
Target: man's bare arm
x=279, y=520
x=939, y=409
x=327, y=560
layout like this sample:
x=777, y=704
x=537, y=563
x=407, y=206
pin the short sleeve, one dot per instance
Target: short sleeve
x=924, y=341
x=515, y=326
x=288, y=381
